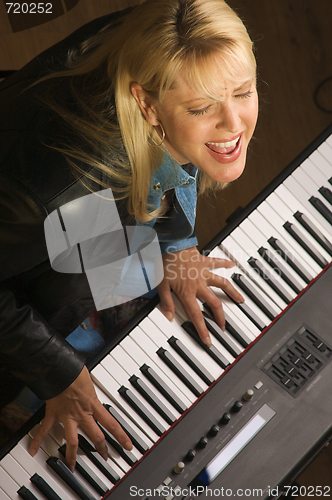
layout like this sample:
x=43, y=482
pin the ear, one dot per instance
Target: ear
x=145, y=103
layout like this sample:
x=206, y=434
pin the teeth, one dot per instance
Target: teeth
x=225, y=144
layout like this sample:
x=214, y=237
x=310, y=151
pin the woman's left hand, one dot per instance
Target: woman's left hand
x=188, y=284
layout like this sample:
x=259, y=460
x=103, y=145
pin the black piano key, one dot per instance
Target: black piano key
x=153, y=399
x=232, y=328
x=191, y=360
x=260, y=269
x=290, y=259
x=212, y=351
x=305, y=244
x=255, y=296
x=315, y=233
x=86, y=471
x=322, y=208
x=128, y=456
x=179, y=371
x=44, y=488
x=223, y=338
x=137, y=441
x=163, y=388
x=280, y=269
x=68, y=477
x=327, y=193
x=139, y=407
x=330, y=180
x=236, y=331
x=26, y=494
x=97, y=459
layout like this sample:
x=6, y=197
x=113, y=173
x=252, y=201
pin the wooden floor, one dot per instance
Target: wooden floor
x=293, y=40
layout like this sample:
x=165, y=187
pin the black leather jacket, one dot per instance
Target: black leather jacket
x=38, y=306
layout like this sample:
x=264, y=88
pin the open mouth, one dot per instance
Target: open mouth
x=224, y=147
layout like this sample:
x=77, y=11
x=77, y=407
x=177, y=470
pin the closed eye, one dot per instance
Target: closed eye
x=197, y=112
x=245, y=95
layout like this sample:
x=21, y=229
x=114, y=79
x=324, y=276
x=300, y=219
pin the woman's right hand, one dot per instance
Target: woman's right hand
x=78, y=406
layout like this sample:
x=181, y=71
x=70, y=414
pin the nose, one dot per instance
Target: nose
x=229, y=118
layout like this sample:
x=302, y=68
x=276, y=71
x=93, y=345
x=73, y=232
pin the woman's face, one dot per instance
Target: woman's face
x=213, y=136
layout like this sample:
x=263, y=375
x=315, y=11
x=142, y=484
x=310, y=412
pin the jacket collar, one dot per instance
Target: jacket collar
x=170, y=175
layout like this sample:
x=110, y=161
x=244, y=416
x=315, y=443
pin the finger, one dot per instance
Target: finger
x=71, y=443
x=166, y=300
x=43, y=430
x=225, y=285
x=112, y=426
x=195, y=315
x=214, y=263
x=215, y=303
x=96, y=435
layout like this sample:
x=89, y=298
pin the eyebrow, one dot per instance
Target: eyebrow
x=244, y=84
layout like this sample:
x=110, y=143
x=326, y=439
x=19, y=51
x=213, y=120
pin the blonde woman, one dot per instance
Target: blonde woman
x=155, y=103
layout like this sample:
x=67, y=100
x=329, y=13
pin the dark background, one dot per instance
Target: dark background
x=293, y=40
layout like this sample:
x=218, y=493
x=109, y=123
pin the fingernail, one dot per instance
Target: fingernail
x=169, y=315
x=208, y=341
x=32, y=452
x=128, y=446
x=241, y=299
x=223, y=328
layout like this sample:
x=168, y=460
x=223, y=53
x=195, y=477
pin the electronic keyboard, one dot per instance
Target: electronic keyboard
x=241, y=418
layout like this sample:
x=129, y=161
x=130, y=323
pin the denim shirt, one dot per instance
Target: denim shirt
x=175, y=232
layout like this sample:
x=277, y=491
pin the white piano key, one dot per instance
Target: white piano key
x=295, y=205
x=233, y=245
x=287, y=215
x=103, y=398
x=152, y=359
x=166, y=328
x=181, y=316
x=3, y=495
x=117, y=462
x=317, y=177
x=125, y=367
x=37, y=464
x=19, y=475
x=307, y=183
x=322, y=164
x=232, y=309
x=310, y=186
x=226, y=335
x=269, y=230
x=175, y=329
x=227, y=273
x=150, y=347
x=132, y=368
x=113, y=387
x=130, y=346
x=276, y=221
x=109, y=385
x=240, y=319
x=329, y=140
x=8, y=485
x=250, y=249
x=326, y=151
x=303, y=196
x=158, y=337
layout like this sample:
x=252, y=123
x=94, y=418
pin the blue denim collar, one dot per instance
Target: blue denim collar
x=170, y=175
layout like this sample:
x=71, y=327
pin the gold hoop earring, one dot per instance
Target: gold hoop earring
x=164, y=135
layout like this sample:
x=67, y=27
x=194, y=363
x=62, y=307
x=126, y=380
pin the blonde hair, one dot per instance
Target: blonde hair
x=149, y=47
